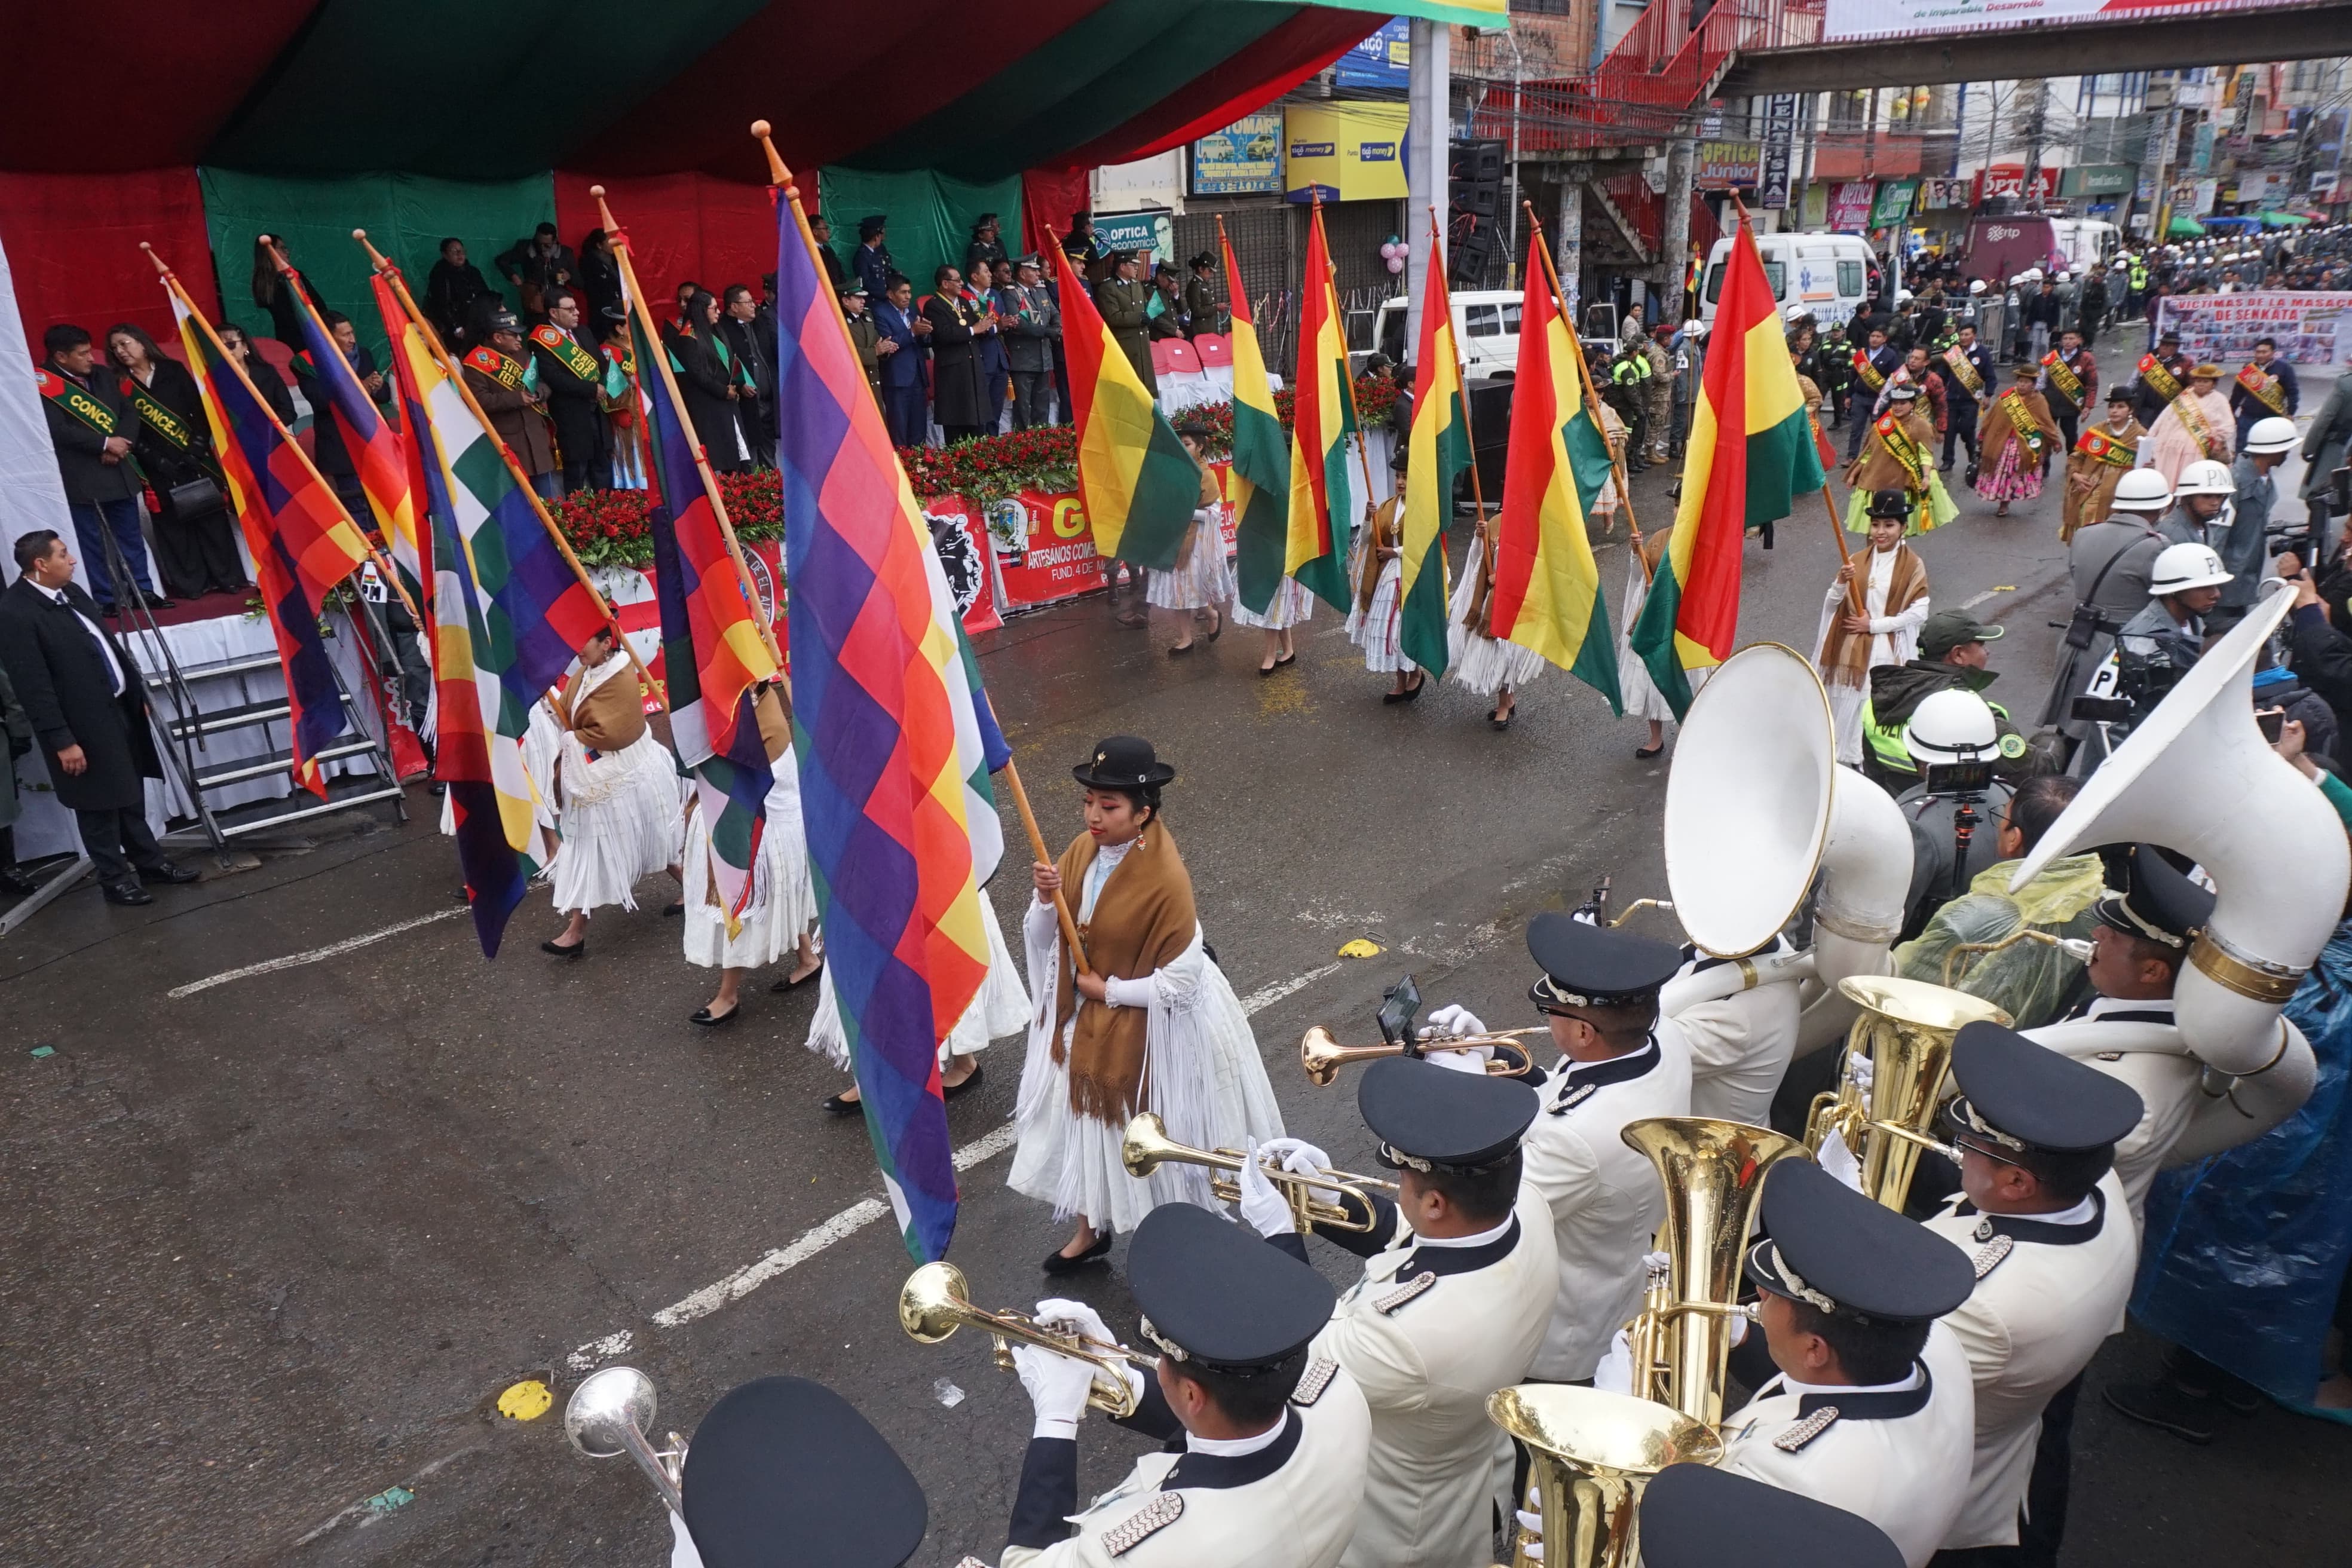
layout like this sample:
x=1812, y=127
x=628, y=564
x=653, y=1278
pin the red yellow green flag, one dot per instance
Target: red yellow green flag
x=1260, y=486
x=1547, y=593
x=1322, y=419
x=1436, y=454
x=1750, y=455
x=1137, y=483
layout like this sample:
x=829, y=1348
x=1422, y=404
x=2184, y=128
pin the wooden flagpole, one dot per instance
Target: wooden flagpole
x=450, y=368
x=171, y=283
x=658, y=353
x=787, y=190
x=1591, y=393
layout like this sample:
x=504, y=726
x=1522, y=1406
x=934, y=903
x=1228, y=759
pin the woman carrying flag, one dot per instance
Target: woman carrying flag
x=2015, y=439
x=1201, y=579
x=783, y=907
x=1374, y=621
x=1000, y=1008
x=1489, y=667
x=614, y=789
x=1152, y=1025
x=1636, y=691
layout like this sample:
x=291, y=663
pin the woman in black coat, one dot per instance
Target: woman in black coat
x=260, y=371
x=451, y=288
x=958, y=386
x=175, y=448
x=599, y=279
x=709, y=380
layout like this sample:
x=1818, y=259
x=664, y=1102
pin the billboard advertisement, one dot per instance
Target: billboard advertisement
x=1245, y=159
x=1345, y=151
x=1851, y=20
x=1385, y=59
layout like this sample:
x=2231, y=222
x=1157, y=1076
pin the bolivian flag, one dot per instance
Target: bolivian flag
x=1260, y=486
x=1547, y=593
x=1136, y=481
x=1437, y=453
x=1752, y=453
x=1322, y=419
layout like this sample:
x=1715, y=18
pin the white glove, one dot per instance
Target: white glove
x=1452, y=1023
x=1068, y=1317
x=1859, y=1072
x=1741, y=1322
x=1058, y=1385
x=1533, y=1524
x=682, y=1553
x=1658, y=1262
x=1838, y=1160
x=1472, y=1060
x=1296, y=1155
x=1615, y=1372
x=1263, y=1208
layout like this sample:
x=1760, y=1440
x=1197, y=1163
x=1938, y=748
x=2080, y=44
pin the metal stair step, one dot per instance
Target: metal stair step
x=243, y=715
x=341, y=795
x=250, y=664
x=278, y=761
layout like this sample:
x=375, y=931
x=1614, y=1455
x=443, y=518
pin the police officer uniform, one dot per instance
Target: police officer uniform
x=1897, y=1453
x=2049, y=1286
x=1604, y=1197
x=2134, y=1040
x=1213, y=1295
x=783, y=1470
x=1436, y=1324
x=1696, y=1516
x=1739, y=1045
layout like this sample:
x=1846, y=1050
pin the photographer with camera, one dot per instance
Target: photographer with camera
x=2111, y=562
x=1954, y=739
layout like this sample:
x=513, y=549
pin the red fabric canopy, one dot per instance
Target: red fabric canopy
x=716, y=232
x=73, y=247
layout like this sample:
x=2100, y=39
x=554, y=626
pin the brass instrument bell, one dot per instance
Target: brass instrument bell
x=1591, y=1454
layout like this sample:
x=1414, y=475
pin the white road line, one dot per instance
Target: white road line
x=316, y=956
x=857, y=1217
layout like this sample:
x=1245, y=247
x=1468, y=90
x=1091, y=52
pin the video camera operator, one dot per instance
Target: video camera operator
x=2111, y=562
x=1953, y=738
x=2154, y=649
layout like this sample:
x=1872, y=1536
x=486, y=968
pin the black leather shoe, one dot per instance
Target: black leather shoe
x=789, y=984
x=557, y=950
x=12, y=880
x=1098, y=1253
x=128, y=891
x=842, y=1105
x=2165, y=1406
x=704, y=1016
x=971, y=1082
x=165, y=873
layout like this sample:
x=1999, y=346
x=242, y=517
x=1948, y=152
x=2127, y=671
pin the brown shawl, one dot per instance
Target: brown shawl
x=1479, y=617
x=1143, y=921
x=1879, y=469
x=2091, y=479
x=609, y=718
x=1999, y=430
x=1845, y=655
x=1382, y=535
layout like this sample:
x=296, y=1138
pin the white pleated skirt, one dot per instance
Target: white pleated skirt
x=784, y=897
x=1377, y=629
x=620, y=822
x=1484, y=664
x=1000, y=1008
x=1292, y=604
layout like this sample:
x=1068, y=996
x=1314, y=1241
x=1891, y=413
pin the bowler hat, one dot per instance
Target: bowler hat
x=1122, y=762
x=1891, y=503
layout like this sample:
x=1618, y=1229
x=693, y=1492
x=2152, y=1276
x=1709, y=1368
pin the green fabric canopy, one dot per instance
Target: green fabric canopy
x=931, y=216
x=2184, y=227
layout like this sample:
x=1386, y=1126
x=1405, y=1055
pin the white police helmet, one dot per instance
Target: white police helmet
x=1951, y=726
x=2270, y=434
x=2185, y=566
x=2142, y=489
x=2207, y=477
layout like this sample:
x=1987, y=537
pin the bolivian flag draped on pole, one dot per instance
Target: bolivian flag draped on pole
x=1547, y=593
x=1322, y=419
x=1750, y=454
x=1437, y=453
x=1137, y=483
x=1260, y=486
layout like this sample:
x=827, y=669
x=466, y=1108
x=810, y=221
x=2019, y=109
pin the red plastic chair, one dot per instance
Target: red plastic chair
x=1216, y=349
x=1183, y=359
x=1161, y=362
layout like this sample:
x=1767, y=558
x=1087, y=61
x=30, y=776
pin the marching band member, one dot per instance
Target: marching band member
x=616, y=794
x=1598, y=991
x=1378, y=612
x=783, y=1460
x=1872, y=1411
x=2045, y=1227
x=1457, y=1290
x=1739, y=1045
x=1154, y=1025
x=1885, y=630
x=1000, y=1008
x=1272, y=1470
x=1696, y=1516
x=782, y=913
x=1475, y=657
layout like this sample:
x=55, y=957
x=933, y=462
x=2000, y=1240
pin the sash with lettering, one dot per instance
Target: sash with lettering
x=75, y=399
x=569, y=353
x=2264, y=386
x=2201, y=430
x=2022, y=420
x=172, y=430
x=1871, y=377
x=507, y=369
x=1966, y=369
x=2064, y=377
x=1903, y=449
x=2106, y=446
x=2159, y=377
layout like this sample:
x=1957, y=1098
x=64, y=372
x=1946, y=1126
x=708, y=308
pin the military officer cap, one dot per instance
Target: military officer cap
x=1214, y=1295
x=1428, y=1117
x=1827, y=1244
x=1696, y=1516
x=868, y=228
x=503, y=321
x=2021, y=1093
x=2159, y=903
x=783, y=1470
x=1593, y=966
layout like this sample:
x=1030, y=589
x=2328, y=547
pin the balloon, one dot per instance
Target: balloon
x=1387, y=251
x=1404, y=248
x=1396, y=263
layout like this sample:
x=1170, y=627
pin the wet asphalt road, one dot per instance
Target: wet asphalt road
x=275, y=1247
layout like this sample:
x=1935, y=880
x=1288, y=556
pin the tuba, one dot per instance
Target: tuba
x=610, y=1414
x=1713, y=1172
x=1905, y=1034
x=1755, y=805
x=1147, y=1146
x=1590, y=1453
x=935, y=1303
x=2197, y=777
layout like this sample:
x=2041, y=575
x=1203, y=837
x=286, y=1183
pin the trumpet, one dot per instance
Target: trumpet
x=933, y=1304
x=1323, y=1057
x=1147, y=1146
x=609, y=1415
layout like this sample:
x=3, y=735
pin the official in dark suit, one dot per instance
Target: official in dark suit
x=94, y=429
x=572, y=370
x=88, y=706
x=1125, y=302
x=898, y=361
x=755, y=351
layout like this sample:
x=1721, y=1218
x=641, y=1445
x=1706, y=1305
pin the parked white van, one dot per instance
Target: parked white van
x=1486, y=331
x=1829, y=274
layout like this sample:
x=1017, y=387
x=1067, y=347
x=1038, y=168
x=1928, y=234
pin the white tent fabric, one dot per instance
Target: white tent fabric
x=31, y=496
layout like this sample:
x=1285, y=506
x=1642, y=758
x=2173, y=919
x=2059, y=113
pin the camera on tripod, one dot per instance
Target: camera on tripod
x=1960, y=779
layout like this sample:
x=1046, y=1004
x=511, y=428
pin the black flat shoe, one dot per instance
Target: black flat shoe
x=1268, y=669
x=949, y=1091
x=1497, y=721
x=789, y=984
x=1218, y=629
x=840, y=1104
x=1412, y=693
x=669, y=909
x=1391, y=699
x=165, y=873
x=1178, y=650
x=703, y=1016
x=578, y=950
x=1287, y=658
x=1098, y=1253
x=1646, y=753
